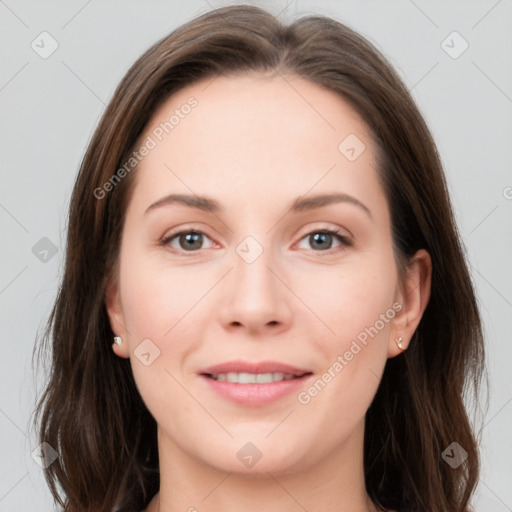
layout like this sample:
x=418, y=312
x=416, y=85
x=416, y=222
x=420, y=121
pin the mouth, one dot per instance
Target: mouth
x=245, y=372
x=254, y=384
x=253, y=378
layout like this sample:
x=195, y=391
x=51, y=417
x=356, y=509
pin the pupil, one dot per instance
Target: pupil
x=192, y=237
x=321, y=236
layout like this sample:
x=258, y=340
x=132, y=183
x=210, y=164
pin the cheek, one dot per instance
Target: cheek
x=158, y=305
x=354, y=304
x=156, y=296
x=356, y=312
x=166, y=305
x=351, y=298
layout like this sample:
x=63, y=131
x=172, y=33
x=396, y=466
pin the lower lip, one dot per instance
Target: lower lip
x=256, y=394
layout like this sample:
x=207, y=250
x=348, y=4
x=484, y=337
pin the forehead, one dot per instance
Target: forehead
x=256, y=134
x=255, y=108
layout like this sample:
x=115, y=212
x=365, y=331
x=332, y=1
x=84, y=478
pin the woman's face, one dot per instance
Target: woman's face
x=257, y=278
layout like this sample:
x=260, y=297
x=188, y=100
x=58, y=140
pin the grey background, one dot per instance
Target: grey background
x=50, y=107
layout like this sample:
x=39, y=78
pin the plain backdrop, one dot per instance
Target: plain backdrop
x=50, y=107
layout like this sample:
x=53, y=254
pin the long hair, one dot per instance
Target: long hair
x=91, y=412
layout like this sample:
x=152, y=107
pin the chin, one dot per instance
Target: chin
x=256, y=456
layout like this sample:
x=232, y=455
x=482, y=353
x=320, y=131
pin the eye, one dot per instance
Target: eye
x=189, y=240
x=322, y=239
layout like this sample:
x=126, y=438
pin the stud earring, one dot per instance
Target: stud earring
x=399, y=342
x=118, y=340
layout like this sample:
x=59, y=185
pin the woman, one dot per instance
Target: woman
x=258, y=370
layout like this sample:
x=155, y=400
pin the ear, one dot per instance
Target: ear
x=413, y=296
x=116, y=318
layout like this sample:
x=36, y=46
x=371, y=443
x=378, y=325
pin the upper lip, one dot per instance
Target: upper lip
x=258, y=367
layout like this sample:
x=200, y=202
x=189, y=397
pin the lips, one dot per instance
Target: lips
x=261, y=367
x=254, y=384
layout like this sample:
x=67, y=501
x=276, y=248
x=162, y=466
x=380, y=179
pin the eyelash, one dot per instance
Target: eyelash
x=341, y=238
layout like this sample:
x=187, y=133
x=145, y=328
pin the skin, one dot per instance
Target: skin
x=255, y=143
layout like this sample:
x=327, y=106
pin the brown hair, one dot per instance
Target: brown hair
x=91, y=411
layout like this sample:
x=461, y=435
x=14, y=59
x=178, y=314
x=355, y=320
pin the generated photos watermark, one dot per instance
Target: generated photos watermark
x=151, y=142
x=305, y=397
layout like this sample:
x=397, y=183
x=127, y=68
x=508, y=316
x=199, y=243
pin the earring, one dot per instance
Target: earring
x=399, y=342
x=118, y=340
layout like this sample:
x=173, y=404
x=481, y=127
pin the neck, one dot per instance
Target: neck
x=333, y=484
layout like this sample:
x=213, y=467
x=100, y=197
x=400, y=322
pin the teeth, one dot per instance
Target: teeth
x=252, y=378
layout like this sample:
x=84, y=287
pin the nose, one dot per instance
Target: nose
x=255, y=296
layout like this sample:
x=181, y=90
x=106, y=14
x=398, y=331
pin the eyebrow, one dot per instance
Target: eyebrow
x=300, y=204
